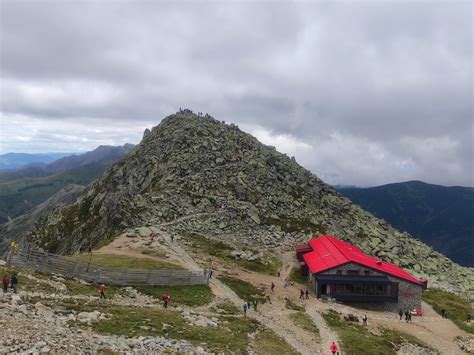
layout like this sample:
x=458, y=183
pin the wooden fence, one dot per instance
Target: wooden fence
x=37, y=261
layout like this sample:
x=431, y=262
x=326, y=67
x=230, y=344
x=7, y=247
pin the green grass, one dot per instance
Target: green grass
x=457, y=307
x=229, y=337
x=301, y=319
x=244, y=289
x=42, y=285
x=25, y=283
x=78, y=288
x=225, y=307
x=295, y=275
x=356, y=339
x=267, y=342
x=194, y=296
x=293, y=306
x=216, y=248
x=122, y=261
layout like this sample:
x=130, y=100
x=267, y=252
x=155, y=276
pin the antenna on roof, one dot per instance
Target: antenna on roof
x=379, y=262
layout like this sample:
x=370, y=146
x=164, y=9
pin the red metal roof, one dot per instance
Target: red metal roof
x=329, y=252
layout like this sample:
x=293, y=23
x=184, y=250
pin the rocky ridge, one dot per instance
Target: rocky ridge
x=202, y=176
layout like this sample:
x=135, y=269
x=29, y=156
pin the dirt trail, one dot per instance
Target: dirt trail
x=431, y=328
x=294, y=339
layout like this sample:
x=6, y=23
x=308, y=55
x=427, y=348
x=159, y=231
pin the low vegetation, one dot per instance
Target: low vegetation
x=225, y=307
x=194, y=296
x=267, y=342
x=88, y=289
x=216, y=248
x=457, y=307
x=302, y=320
x=293, y=306
x=295, y=275
x=129, y=262
x=229, y=336
x=245, y=290
x=356, y=339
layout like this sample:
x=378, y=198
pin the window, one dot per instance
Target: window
x=358, y=289
x=352, y=272
x=339, y=272
x=369, y=289
x=348, y=288
x=381, y=289
x=366, y=272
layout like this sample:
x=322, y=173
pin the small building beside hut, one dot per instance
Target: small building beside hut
x=341, y=271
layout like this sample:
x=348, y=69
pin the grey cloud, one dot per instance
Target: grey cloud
x=378, y=74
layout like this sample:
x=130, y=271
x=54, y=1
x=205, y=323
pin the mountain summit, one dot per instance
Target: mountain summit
x=205, y=177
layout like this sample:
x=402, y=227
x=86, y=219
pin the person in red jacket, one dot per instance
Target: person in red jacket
x=166, y=299
x=6, y=282
x=102, y=292
x=334, y=349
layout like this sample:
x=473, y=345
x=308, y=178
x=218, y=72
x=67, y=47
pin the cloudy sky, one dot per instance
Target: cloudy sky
x=360, y=93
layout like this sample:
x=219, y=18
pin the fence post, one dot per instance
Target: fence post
x=9, y=257
x=126, y=277
x=74, y=272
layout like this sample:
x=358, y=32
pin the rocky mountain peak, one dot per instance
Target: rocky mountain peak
x=200, y=175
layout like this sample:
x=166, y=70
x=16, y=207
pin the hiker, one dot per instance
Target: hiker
x=285, y=285
x=443, y=312
x=90, y=250
x=334, y=349
x=279, y=273
x=210, y=274
x=364, y=320
x=301, y=294
x=152, y=237
x=6, y=282
x=102, y=292
x=254, y=302
x=446, y=314
x=307, y=294
x=469, y=318
x=245, y=309
x=400, y=313
x=172, y=238
x=81, y=250
x=409, y=316
x=273, y=286
x=14, y=283
x=166, y=299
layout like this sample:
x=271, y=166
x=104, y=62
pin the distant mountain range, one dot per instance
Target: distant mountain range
x=23, y=189
x=440, y=216
x=12, y=161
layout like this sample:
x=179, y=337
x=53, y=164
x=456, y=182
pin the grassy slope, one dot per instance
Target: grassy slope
x=196, y=295
x=356, y=339
x=295, y=275
x=244, y=290
x=223, y=251
x=16, y=197
x=146, y=321
x=457, y=307
x=439, y=216
x=111, y=260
